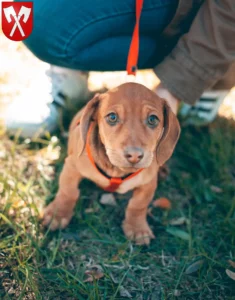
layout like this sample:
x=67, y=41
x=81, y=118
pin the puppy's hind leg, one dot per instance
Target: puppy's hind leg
x=135, y=225
x=60, y=211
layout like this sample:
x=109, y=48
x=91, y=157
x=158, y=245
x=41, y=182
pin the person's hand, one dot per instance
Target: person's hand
x=173, y=102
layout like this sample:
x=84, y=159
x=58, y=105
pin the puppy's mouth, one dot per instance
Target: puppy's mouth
x=130, y=169
x=120, y=162
x=133, y=167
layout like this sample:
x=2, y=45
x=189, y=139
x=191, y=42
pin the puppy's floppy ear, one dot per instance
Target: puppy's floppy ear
x=170, y=136
x=86, y=118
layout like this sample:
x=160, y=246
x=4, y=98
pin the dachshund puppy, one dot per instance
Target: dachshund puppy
x=118, y=140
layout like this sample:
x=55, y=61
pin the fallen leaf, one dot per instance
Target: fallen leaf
x=91, y=210
x=124, y=292
x=232, y=263
x=177, y=293
x=230, y=274
x=194, y=267
x=94, y=274
x=178, y=221
x=216, y=189
x=163, y=203
x=118, y=255
x=178, y=233
x=108, y=199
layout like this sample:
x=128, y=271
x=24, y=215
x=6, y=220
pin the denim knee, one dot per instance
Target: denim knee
x=87, y=35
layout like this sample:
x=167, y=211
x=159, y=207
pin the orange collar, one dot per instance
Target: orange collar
x=114, y=182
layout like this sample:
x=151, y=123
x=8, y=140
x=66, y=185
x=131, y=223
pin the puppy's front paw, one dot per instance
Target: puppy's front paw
x=56, y=215
x=141, y=233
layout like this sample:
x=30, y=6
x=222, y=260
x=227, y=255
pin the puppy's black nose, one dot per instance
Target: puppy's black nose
x=133, y=154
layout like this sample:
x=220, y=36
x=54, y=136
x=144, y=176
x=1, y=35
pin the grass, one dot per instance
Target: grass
x=185, y=261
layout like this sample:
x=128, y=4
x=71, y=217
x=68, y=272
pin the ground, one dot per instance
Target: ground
x=193, y=255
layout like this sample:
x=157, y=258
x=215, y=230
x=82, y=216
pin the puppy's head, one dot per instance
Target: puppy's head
x=134, y=124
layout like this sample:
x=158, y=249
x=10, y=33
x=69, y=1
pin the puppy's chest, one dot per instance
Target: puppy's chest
x=89, y=171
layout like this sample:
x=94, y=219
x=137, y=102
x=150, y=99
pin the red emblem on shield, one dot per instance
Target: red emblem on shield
x=17, y=20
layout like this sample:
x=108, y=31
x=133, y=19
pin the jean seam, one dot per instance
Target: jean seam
x=161, y=4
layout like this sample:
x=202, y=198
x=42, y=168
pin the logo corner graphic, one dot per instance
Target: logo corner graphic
x=17, y=19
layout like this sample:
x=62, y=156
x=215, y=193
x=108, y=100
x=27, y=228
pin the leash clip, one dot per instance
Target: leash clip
x=132, y=60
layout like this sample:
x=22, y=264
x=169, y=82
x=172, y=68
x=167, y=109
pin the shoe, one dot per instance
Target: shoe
x=38, y=110
x=205, y=110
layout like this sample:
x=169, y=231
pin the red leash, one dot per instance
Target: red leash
x=132, y=60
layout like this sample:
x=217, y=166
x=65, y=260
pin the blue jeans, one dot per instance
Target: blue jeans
x=96, y=34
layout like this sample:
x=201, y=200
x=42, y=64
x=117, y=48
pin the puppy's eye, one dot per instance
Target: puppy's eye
x=112, y=118
x=152, y=121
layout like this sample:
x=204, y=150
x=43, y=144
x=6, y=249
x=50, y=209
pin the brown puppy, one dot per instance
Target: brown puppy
x=125, y=133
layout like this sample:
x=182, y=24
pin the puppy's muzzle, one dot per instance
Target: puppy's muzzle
x=133, y=154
